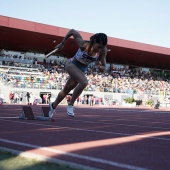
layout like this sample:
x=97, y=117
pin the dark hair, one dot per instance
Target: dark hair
x=99, y=38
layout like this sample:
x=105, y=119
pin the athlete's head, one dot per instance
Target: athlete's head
x=99, y=38
x=97, y=42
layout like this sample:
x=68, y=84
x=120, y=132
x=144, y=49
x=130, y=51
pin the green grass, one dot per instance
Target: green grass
x=10, y=161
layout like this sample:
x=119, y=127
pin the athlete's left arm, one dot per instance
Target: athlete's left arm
x=102, y=61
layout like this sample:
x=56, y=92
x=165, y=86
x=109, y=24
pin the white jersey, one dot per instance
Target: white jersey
x=84, y=58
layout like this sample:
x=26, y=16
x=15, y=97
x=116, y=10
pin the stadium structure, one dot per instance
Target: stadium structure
x=24, y=36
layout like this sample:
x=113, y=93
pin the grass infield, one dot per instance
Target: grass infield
x=10, y=161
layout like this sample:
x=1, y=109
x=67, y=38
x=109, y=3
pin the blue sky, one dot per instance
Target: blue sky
x=145, y=21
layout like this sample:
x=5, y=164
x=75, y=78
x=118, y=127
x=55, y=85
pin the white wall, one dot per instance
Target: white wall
x=5, y=91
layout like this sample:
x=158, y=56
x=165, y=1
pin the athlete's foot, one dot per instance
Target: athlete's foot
x=52, y=111
x=70, y=110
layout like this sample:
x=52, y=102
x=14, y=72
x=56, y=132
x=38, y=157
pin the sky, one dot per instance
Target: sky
x=144, y=21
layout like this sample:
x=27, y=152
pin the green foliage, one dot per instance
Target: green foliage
x=129, y=100
x=150, y=102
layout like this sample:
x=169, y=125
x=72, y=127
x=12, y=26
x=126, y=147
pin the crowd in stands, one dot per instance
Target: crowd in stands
x=53, y=76
x=17, y=60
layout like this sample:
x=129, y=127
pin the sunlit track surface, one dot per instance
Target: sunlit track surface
x=98, y=137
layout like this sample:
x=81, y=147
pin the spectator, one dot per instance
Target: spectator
x=11, y=97
x=21, y=97
x=48, y=98
x=28, y=98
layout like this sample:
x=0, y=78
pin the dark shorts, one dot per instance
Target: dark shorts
x=82, y=68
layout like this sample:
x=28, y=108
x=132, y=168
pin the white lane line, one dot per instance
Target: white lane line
x=93, y=159
x=131, y=110
x=95, y=131
x=119, y=124
x=112, y=123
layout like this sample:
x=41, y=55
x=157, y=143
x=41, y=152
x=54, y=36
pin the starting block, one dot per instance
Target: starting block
x=27, y=114
x=45, y=111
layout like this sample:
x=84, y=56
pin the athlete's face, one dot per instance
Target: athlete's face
x=97, y=47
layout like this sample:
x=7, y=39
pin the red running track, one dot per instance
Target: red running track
x=108, y=138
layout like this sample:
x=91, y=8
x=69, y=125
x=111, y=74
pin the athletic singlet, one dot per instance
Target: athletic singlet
x=84, y=58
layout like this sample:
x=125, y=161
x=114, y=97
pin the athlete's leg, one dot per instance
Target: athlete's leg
x=77, y=75
x=70, y=84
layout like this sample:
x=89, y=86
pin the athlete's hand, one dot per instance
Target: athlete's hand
x=100, y=66
x=99, y=63
x=59, y=46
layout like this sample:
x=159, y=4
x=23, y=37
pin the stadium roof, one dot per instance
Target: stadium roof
x=25, y=36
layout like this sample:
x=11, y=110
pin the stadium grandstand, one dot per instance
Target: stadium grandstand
x=134, y=69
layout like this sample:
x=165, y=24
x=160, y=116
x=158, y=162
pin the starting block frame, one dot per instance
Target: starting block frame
x=27, y=114
x=45, y=111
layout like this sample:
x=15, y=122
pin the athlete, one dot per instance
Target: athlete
x=93, y=50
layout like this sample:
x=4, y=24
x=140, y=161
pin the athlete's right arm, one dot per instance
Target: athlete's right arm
x=78, y=38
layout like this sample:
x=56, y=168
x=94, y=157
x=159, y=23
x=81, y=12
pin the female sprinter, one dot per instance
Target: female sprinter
x=89, y=51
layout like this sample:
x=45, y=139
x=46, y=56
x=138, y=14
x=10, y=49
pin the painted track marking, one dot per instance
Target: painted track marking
x=93, y=159
x=98, y=131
